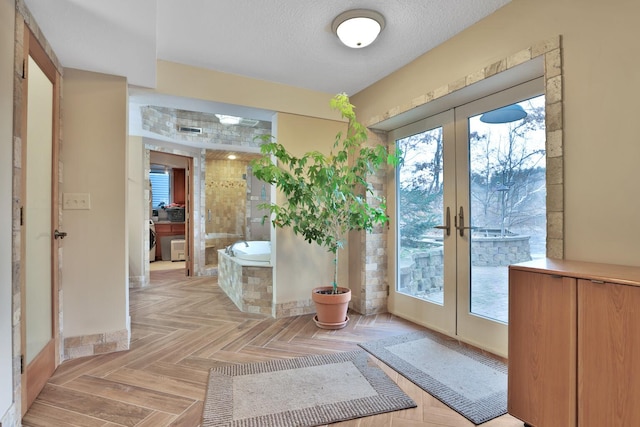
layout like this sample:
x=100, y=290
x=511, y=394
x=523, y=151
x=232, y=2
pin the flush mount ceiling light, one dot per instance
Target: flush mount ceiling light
x=231, y=157
x=358, y=28
x=228, y=120
x=507, y=114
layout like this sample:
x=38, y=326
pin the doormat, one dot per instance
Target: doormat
x=470, y=383
x=307, y=391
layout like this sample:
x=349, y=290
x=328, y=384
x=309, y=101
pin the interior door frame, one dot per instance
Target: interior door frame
x=188, y=226
x=35, y=375
x=189, y=213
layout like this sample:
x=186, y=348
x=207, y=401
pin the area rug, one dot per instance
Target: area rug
x=308, y=391
x=467, y=381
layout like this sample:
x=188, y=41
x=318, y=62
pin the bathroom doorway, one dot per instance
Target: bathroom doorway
x=170, y=212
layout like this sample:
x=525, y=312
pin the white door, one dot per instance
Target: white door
x=426, y=273
x=470, y=201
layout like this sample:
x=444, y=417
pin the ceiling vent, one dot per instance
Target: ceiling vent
x=189, y=129
x=248, y=122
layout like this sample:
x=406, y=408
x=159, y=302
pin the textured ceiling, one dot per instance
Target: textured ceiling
x=284, y=41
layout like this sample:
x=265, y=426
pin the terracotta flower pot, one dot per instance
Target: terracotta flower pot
x=331, y=309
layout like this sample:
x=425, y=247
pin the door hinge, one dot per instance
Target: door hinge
x=22, y=364
x=24, y=69
x=21, y=215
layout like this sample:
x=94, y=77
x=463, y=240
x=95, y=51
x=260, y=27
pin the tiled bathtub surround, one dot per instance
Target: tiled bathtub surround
x=249, y=285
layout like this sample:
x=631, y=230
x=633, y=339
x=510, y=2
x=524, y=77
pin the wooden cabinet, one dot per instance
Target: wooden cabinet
x=164, y=229
x=574, y=344
x=179, y=193
x=542, y=348
x=608, y=354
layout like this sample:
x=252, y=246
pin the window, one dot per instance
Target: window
x=160, y=187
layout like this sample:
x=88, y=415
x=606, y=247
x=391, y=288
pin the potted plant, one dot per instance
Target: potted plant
x=327, y=196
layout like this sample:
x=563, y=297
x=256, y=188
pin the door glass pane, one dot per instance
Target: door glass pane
x=38, y=211
x=420, y=188
x=507, y=202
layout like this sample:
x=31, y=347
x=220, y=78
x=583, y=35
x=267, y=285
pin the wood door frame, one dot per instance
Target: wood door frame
x=189, y=202
x=188, y=226
x=50, y=356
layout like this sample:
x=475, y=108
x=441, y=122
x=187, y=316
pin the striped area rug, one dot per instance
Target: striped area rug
x=307, y=391
x=466, y=380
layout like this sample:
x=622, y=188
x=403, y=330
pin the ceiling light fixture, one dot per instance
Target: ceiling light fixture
x=507, y=114
x=231, y=157
x=358, y=28
x=228, y=120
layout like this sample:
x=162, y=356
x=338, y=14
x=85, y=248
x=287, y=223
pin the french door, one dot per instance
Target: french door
x=470, y=200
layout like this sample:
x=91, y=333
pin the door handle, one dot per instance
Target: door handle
x=59, y=234
x=447, y=223
x=461, y=227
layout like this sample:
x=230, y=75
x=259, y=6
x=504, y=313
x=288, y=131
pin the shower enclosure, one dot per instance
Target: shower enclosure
x=232, y=196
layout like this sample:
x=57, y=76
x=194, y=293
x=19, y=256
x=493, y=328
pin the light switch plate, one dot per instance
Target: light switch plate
x=76, y=201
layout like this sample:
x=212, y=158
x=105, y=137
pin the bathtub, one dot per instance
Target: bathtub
x=256, y=251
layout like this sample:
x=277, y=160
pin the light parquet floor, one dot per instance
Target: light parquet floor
x=182, y=327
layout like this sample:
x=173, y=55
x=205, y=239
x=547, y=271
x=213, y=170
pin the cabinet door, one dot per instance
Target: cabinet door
x=608, y=354
x=542, y=349
x=163, y=229
x=177, y=228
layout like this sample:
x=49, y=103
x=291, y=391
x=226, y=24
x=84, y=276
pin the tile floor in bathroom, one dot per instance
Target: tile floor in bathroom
x=166, y=265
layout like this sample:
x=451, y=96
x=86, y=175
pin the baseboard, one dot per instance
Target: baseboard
x=101, y=343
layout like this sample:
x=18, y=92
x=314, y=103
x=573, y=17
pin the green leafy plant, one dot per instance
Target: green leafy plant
x=327, y=195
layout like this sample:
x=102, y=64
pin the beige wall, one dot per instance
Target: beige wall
x=301, y=266
x=94, y=152
x=602, y=202
x=191, y=82
x=7, y=22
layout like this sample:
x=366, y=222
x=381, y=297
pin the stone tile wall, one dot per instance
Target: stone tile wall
x=89, y=345
x=165, y=121
x=373, y=284
x=500, y=251
x=249, y=287
x=232, y=196
x=225, y=188
x=294, y=308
